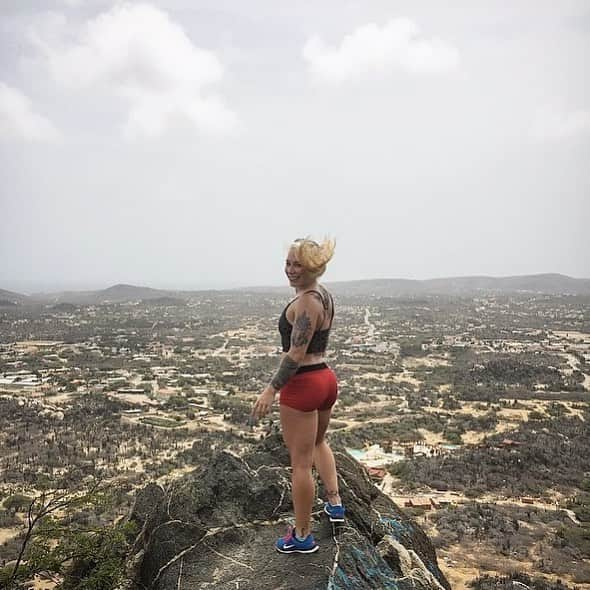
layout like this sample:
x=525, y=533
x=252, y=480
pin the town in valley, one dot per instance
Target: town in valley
x=470, y=412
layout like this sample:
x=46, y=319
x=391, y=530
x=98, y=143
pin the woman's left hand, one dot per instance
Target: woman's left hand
x=264, y=403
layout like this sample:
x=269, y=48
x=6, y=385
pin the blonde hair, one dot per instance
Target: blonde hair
x=314, y=257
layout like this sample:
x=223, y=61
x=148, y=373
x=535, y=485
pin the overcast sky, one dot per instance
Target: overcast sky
x=185, y=143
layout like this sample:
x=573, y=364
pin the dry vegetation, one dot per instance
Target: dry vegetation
x=459, y=375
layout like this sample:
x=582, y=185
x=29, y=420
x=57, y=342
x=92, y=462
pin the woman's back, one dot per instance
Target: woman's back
x=319, y=341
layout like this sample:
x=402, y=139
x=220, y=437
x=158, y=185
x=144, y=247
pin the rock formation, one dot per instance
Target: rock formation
x=216, y=528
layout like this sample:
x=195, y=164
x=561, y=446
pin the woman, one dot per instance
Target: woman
x=308, y=390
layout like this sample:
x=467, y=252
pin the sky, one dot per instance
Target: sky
x=185, y=143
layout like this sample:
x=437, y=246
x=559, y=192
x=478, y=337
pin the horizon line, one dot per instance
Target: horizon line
x=277, y=286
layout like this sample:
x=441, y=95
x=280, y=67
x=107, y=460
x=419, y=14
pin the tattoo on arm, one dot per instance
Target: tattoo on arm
x=301, y=336
x=302, y=330
x=286, y=370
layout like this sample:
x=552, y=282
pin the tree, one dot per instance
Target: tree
x=17, y=503
x=40, y=507
x=59, y=538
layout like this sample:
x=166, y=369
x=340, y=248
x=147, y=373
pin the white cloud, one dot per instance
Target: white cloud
x=138, y=53
x=370, y=49
x=18, y=120
x=552, y=124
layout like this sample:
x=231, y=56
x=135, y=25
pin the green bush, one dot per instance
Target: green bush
x=17, y=503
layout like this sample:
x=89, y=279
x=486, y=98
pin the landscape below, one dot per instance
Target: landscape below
x=463, y=416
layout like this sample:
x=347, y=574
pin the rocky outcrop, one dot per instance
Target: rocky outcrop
x=216, y=528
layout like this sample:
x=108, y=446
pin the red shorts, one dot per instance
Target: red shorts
x=313, y=387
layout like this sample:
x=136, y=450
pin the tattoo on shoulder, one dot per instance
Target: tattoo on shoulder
x=301, y=330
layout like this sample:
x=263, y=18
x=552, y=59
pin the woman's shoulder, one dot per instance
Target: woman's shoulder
x=326, y=293
x=324, y=296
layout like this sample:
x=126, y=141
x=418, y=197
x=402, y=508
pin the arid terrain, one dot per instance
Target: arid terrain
x=471, y=413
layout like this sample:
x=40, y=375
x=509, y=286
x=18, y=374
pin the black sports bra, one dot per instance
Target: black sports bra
x=319, y=340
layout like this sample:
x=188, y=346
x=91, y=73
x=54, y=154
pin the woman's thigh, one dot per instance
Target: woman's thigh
x=299, y=433
x=323, y=422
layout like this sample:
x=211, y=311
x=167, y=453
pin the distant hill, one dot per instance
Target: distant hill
x=7, y=303
x=11, y=298
x=66, y=307
x=115, y=294
x=550, y=284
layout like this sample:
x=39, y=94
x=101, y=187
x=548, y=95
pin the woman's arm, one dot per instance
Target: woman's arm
x=307, y=318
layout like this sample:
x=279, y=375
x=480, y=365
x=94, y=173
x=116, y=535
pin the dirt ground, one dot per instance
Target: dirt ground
x=432, y=438
x=407, y=377
x=472, y=437
x=462, y=564
x=42, y=584
x=8, y=533
x=413, y=362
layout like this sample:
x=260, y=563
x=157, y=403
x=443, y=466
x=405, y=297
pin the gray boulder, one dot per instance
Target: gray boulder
x=216, y=528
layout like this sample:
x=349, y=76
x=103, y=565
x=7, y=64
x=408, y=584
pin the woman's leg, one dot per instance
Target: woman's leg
x=323, y=458
x=299, y=433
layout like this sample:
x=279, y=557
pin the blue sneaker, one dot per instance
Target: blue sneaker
x=335, y=512
x=291, y=544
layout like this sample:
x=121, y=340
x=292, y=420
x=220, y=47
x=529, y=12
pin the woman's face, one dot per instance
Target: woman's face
x=295, y=272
